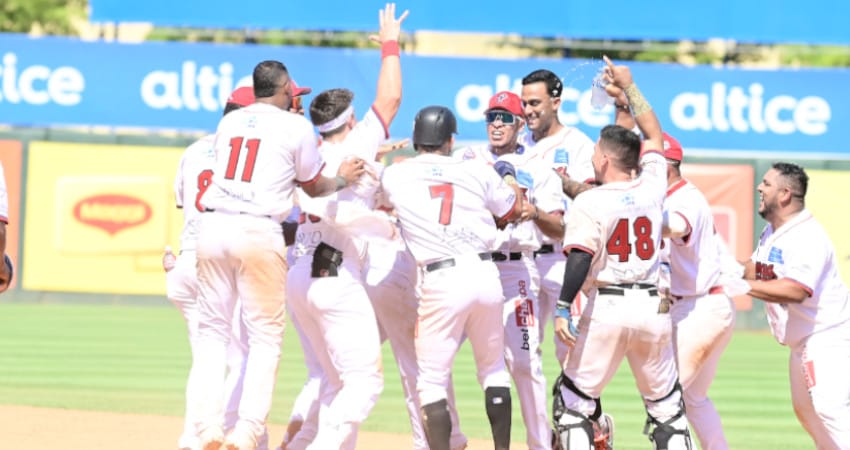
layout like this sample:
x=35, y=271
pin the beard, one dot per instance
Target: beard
x=766, y=210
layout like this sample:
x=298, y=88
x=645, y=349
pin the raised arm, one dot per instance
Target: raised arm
x=647, y=121
x=388, y=97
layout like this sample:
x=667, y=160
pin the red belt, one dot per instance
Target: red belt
x=712, y=291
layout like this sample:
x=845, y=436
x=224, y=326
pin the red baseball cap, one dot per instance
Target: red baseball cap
x=507, y=101
x=672, y=148
x=299, y=90
x=242, y=96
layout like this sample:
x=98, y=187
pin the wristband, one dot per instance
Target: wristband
x=389, y=48
x=563, y=313
x=341, y=182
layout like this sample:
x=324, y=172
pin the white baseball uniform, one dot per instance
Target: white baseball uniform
x=817, y=330
x=445, y=208
x=194, y=175
x=703, y=315
x=260, y=151
x=521, y=285
x=335, y=312
x=568, y=151
x=620, y=224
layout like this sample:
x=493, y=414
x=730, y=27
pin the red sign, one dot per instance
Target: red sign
x=112, y=212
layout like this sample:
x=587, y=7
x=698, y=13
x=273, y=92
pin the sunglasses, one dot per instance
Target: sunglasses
x=506, y=117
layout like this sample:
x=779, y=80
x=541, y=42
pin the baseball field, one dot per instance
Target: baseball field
x=106, y=376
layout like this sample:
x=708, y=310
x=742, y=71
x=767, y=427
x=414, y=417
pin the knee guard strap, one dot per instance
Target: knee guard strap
x=664, y=434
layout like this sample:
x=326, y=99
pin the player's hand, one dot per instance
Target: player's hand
x=391, y=147
x=169, y=260
x=529, y=211
x=617, y=93
x=390, y=27
x=566, y=331
x=351, y=169
x=619, y=76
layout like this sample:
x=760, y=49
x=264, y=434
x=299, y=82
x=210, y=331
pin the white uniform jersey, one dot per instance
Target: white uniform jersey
x=261, y=152
x=539, y=184
x=620, y=225
x=800, y=250
x=446, y=206
x=568, y=151
x=343, y=218
x=694, y=260
x=4, y=197
x=194, y=175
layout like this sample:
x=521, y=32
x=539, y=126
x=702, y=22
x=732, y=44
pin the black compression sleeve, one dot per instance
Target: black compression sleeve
x=577, y=267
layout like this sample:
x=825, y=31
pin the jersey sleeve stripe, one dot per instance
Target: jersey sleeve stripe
x=570, y=247
x=808, y=290
x=383, y=122
x=314, y=179
x=4, y=219
x=688, y=230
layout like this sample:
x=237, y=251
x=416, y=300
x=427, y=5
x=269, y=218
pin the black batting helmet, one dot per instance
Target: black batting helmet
x=433, y=126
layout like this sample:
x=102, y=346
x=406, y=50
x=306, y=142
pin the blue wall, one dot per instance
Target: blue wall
x=60, y=81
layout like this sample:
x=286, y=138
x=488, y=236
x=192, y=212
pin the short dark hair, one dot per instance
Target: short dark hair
x=328, y=106
x=623, y=143
x=554, y=85
x=795, y=176
x=230, y=107
x=267, y=76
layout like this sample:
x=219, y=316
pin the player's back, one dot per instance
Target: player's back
x=194, y=175
x=261, y=151
x=446, y=206
x=695, y=260
x=620, y=223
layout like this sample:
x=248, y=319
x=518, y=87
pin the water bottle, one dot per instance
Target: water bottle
x=598, y=97
x=168, y=259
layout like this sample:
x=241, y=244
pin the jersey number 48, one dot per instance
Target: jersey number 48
x=621, y=244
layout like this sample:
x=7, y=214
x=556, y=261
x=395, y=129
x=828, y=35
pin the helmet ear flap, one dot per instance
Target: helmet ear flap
x=434, y=126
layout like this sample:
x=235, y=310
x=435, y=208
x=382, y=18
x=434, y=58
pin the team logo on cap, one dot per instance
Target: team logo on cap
x=501, y=98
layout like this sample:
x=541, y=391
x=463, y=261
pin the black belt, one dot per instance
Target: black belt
x=450, y=262
x=545, y=249
x=513, y=256
x=619, y=289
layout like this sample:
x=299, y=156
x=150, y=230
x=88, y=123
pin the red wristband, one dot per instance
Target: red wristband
x=389, y=48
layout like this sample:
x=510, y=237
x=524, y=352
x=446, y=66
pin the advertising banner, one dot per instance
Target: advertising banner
x=730, y=190
x=825, y=199
x=814, y=21
x=98, y=217
x=10, y=157
x=61, y=81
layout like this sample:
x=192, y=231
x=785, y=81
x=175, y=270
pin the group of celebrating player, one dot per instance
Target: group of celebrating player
x=472, y=244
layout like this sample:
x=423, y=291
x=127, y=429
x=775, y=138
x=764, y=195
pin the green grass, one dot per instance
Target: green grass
x=136, y=358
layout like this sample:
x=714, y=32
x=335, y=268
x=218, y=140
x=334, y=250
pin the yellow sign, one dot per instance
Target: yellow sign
x=98, y=217
x=823, y=199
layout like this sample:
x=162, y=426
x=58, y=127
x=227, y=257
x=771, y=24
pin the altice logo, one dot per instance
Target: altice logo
x=192, y=87
x=38, y=84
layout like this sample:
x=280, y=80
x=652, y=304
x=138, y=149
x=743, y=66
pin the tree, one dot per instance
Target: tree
x=46, y=16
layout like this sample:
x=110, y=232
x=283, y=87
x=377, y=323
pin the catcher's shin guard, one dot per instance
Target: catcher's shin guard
x=572, y=429
x=673, y=433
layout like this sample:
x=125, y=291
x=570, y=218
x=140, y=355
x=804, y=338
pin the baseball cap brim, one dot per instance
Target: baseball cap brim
x=299, y=90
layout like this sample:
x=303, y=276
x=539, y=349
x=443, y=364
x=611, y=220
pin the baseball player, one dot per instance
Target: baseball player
x=703, y=314
x=6, y=269
x=515, y=258
x=193, y=177
x=613, y=238
x=261, y=152
x=794, y=271
x=446, y=209
x=568, y=151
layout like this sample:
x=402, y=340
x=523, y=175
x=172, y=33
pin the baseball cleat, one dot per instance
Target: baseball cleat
x=603, y=430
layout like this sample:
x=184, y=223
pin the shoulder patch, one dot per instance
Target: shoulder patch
x=562, y=156
x=775, y=255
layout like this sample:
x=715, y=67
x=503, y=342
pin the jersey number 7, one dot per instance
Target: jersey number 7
x=446, y=193
x=621, y=245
